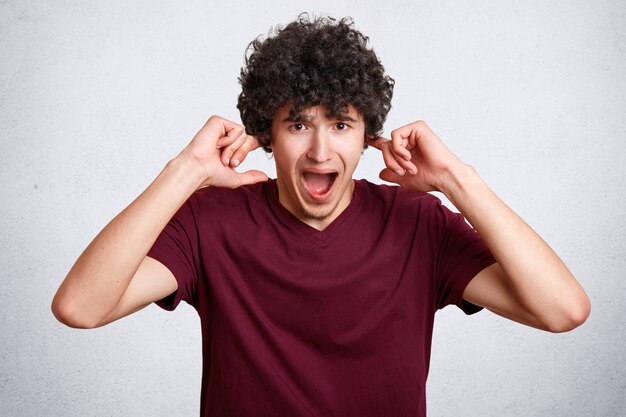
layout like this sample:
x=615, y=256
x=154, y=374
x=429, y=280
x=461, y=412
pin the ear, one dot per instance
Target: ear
x=369, y=140
x=264, y=140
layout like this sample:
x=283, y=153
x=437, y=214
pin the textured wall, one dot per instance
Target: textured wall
x=96, y=96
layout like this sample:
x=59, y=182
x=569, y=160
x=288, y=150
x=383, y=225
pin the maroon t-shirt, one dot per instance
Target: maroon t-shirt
x=301, y=322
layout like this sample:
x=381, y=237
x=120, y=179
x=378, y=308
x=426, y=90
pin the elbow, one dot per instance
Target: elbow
x=66, y=312
x=573, y=316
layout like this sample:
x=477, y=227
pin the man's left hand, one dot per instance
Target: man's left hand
x=416, y=158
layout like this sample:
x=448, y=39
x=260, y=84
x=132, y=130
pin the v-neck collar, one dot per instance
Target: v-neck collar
x=290, y=221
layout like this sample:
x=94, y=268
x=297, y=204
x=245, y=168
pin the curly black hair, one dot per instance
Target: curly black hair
x=309, y=62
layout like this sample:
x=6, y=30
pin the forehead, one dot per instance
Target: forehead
x=286, y=114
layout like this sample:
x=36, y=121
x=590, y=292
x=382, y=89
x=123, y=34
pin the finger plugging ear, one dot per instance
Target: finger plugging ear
x=390, y=160
x=237, y=140
x=399, y=145
x=376, y=142
x=242, y=151
x=390, y=176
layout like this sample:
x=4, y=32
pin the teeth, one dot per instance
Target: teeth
x=318, y=183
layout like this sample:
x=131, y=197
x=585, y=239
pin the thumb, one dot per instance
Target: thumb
x=251, y=177
x=390, y=176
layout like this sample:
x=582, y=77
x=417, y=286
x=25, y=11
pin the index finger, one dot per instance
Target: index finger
x=377, y=142
x=217, y=127
x=400, y=140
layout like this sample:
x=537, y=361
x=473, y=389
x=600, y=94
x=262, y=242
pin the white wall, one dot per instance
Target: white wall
x=95, y=97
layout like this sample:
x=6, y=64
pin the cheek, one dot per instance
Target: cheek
x=286, y=162
x=352, y=153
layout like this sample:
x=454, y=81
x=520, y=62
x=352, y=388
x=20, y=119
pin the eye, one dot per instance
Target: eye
x=341, y=126
x=298, y=127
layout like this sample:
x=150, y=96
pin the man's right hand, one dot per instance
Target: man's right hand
x=218, y=148
x=114, y=277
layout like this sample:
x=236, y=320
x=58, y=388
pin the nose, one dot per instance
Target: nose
x=319, y=148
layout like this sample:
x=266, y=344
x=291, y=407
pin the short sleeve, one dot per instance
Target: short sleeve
x=461, y=255
x=177, y=247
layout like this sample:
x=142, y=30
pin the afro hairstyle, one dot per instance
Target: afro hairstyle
x=310, y=62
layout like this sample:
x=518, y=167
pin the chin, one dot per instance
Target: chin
x=317, y=213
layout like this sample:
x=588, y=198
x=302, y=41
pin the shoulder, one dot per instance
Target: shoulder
x=217, y=214
x=396, y=197
x=402, y=209
x=225, y=197
x=215, y=204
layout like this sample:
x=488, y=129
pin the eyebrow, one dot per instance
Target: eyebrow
x=308, y=118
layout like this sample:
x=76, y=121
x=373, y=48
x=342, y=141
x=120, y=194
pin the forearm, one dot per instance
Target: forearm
x=540, y=281
x=101, y=275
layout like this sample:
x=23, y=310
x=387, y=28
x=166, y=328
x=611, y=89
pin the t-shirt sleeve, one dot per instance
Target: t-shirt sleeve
x=177, y=247
x=461, y=255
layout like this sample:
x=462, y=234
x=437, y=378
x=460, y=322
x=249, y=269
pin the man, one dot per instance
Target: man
x=317, y=293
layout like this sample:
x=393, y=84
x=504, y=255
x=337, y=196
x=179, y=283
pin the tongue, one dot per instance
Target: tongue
x=318, y=183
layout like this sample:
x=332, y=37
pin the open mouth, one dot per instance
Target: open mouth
x=319, y=185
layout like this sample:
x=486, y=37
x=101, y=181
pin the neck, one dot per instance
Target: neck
x=318, y=216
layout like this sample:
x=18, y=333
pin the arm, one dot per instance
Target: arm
x=113, y=277
x=529, y=283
